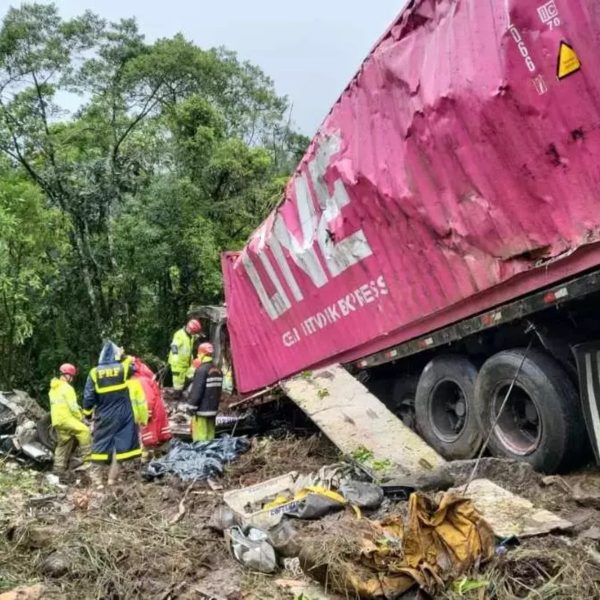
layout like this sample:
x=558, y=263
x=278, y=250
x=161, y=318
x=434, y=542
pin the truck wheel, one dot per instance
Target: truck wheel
x=404, y=392
x=541, y=422
x=444, y=407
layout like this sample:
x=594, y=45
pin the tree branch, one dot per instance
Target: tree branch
x=150, y=103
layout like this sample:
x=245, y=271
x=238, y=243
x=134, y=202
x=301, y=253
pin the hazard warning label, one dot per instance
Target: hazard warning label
x=568, y=61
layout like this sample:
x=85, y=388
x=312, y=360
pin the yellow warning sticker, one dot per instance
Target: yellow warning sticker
x=568, y=61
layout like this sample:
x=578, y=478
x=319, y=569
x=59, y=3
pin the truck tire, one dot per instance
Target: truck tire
x=445, y=408
x=404, y=392
x=542, y=422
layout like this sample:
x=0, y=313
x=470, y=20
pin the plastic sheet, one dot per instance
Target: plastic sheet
x=198, y=460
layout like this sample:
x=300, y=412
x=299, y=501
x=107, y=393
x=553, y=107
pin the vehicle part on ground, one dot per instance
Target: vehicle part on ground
x=20, y=416
x=542, y=421
x=8, y=419
x=21, y=404
x=360, y=425
x=445, y=411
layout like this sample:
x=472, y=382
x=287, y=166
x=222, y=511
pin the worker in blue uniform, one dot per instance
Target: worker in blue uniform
x=112, y=400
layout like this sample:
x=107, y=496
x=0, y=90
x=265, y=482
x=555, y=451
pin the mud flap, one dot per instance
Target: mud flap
x=588, y=368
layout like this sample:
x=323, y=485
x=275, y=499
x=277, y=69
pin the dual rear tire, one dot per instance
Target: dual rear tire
x=541, y=422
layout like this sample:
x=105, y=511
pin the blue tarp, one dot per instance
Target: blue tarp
x=198, y=460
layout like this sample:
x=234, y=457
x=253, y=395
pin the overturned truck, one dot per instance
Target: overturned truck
x=441, y=236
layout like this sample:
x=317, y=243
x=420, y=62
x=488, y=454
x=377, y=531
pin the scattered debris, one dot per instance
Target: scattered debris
x=252, y=549
x=384, y=559
x=22, y=424
x=511, y=515
x=73, y=538
x=362, y=494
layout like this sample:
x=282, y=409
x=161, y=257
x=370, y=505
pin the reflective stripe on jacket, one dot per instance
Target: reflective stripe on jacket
x=205, y=393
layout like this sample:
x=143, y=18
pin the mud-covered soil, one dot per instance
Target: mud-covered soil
x=152, y=539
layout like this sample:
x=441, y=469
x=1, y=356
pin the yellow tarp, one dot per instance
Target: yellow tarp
x=438, y=542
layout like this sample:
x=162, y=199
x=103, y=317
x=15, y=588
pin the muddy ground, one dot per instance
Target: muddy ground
x=152, y=540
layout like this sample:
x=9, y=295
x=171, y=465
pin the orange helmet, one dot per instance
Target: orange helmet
x=206, y=348
x=68, y=369
x=194, y=326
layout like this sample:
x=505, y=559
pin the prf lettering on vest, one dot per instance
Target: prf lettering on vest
x=109, y=372
x=317, y=244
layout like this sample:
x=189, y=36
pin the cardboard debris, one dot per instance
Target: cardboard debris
x=512, y=515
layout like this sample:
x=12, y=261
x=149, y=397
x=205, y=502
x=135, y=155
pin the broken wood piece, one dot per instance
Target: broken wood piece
x=44, y=499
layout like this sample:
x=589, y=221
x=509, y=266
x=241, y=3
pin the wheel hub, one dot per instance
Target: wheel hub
x=448, y=411
x=519, y=427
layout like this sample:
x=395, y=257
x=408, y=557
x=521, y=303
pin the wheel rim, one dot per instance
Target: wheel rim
x=519, y=427
x=448, y=411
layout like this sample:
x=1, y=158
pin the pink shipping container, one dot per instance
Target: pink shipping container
x=459, y=170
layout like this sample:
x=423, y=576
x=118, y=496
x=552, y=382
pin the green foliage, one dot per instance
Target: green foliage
x=362, y=454
x=112, y=219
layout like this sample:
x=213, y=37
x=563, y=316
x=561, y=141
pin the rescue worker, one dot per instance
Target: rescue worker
x=205, y=395
x=67, y=420
x=180, y=356
x=118, y=406
x=157, y=431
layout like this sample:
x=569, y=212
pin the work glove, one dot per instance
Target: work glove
x=189, y=409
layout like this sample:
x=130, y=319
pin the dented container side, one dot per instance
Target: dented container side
x=459, y=167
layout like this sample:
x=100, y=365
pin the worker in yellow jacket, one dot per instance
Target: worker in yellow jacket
x=67, y=420
x=182, y=346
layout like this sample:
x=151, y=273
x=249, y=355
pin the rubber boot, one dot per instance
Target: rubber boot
x=97, y=476
x=85, y=452
x=113, y=471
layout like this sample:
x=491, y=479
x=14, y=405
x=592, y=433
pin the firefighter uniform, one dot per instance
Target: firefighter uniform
x=180, y=356
x=67, y=420
x=204, y=398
